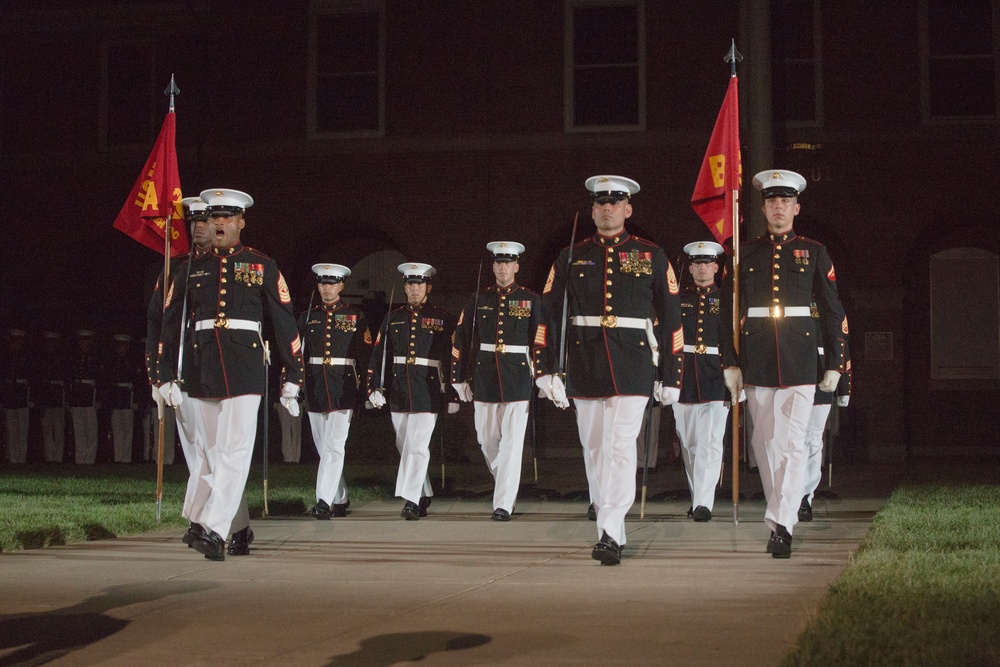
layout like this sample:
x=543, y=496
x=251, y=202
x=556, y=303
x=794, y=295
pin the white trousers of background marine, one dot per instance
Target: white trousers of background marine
x=85, y=434
x=54, y=434
x=780, y=417
x=608, y=431
x=814, y=448
x=701, y=428
x=413, y=440
x=329, y=431
x=16, y=423
x=500, y=428
x=229, y=426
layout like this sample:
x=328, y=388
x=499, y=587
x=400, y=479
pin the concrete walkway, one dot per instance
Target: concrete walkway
x=452, y=589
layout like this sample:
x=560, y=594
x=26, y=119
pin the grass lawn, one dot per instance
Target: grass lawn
x=924, y=589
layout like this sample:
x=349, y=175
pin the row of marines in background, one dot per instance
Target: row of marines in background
x=610, y=331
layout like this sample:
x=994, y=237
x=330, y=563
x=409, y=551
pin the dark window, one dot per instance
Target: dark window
x=606, y=72
x=130, y=94
x=348, y=74
x=961, y=66
x=794, y=71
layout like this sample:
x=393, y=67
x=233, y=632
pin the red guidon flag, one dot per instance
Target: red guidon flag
x=155, y=197
x=721, y=169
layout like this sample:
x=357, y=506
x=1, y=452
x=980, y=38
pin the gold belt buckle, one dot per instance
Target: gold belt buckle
x=699, y=348
x=500, y=348
x=776, y=311
x=221, y=322
x=411, y=360
x=609, y=321
x=328, y=361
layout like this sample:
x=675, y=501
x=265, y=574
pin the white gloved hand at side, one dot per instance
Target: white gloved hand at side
x=551, y=387
x=829, y=381
x=171, y=393
x=842, y=401
x=158, y=399
x=376, y=399
x=289, y=394
x=453, y=408
x=667, y=395
x=734, y=382
x=463, y=390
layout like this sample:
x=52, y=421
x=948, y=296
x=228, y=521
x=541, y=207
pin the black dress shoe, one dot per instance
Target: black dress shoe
x=340, y=509
x=320, y=510
x=425, y=502
x=411, y=511
x=690, y=512
x=212, y=545
x=770, y=544
x=193, y=531
x=780, y=544
x=805, y=510
x=501, y=514
x=701, y=514
x=239, y=543
x=592, y=512
x=607, y=551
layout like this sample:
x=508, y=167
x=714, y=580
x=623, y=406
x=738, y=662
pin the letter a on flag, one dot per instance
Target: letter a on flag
x=155, y=197
x=721, y=170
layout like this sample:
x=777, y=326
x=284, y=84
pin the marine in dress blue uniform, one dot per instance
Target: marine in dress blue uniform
x=624, y=345
x=700, y=414
x=50, y=390
x=491, y=365
x=228, y=291
x=780, y=275
x=416, y=339
x=15, y=394
x=86, y=369
x=337, y=346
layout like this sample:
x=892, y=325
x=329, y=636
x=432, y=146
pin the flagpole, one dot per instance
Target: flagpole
x=733, y=57
x=171, y=91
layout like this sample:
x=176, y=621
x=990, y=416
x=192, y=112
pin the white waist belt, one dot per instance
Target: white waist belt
x=123, y=384
x=331, y=361
x=502, y=348
x=615, y=322
x=701, y=349
x=417, y=361
x=90, y=382
x=778, y=311
x=226, y=323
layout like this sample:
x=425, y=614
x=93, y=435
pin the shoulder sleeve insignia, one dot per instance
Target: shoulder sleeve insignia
x=551, y=279
x=672, y=279
x=455, y=353
x=831, y=275
x=368, y=336
x=297, y=346
x=540, y=334
x=843, y=326
x=170, y=296
x=283, y=289
x=461, y=316
x=678, y=341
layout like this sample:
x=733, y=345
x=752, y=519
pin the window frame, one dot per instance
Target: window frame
x=569, y=66
x=342, y=7
x=817, y=63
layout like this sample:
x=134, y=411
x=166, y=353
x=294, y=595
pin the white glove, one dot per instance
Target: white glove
x=551, y=387
x=842, y=401
x=734, y=383
x=829, y=381
x=171, y=393
x=453, y=408
x=289, y=394
x=463, y=390
x=158, y=399
x=667, y=395
x=376, y=399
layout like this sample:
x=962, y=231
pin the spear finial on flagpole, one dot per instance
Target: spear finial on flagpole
x=172, y=90
x=733, y=57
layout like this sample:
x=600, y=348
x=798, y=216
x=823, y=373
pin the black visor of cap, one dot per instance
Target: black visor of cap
x=224, y=210
x=329, y=280
x=609, y=197
x=779, y=191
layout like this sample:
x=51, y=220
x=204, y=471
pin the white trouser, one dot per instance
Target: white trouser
x=291, y=435
x=122, y=425
x=329, y=431
x=814, y=448
x=16, y=420
x=54, y=434
x=779, y=418
x=229, y=426
x=85, y=434
x=413, y=440
x=654, y=441
x=500, y=427
x=701, y=428
x=190, y=431
x=608, y=431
